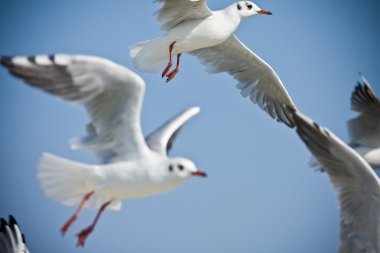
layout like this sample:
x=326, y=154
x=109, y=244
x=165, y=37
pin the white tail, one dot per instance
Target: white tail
x=67, y=182
x=150, y=55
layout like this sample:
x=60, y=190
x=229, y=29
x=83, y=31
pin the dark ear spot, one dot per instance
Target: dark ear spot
x=238, y=7
x=170, y=168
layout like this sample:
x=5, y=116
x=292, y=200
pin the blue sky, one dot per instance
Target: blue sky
x=260, y=195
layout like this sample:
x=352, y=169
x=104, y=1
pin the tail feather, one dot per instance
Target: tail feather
x=67, y=182
x=149, y=55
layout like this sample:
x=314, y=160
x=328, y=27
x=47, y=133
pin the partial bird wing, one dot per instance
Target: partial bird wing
x=11, y=238
x=111, y=93
x=364, y=130
x=256, y=78
x=356, y=184
x=174, y=12
x=161, y=140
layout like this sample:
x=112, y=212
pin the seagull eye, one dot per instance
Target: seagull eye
x=170, y=168
x=180, y=167
x=238, y=7
x=249, y=6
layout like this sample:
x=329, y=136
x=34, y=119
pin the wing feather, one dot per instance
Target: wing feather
x=161, y=140
x=174, y=12
x=257, y=80
x=356, y=185
x=111, y=93
x=364, y=130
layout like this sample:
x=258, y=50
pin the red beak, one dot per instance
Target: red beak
x=199, y=173
x=265, y=12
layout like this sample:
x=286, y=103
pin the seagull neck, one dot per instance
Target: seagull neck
x=231, y=15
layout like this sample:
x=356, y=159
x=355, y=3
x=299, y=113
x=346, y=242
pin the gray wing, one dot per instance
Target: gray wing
x=111, y=93
x=11, y=238
x=356, y=185
x=364, y=130
x=257, y=80
x=161, y=140
x=174, y=12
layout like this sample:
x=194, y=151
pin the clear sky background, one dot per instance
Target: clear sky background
x=260, y=195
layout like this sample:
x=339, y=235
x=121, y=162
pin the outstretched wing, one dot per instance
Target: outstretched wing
x=257, y=80
x=356, y=184
x=174, y=12
x=111, y=93
x=161, y=140
x=11, y=238
x=364, y=130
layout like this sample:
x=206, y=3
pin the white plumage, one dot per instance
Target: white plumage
x=192, y=27
x=112, y=95
x=67, y=182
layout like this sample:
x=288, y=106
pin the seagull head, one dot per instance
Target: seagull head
x=247, y=9
x=182, y=168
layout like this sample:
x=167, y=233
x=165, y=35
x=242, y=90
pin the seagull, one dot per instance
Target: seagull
x=364, y=130
x=132, y=167
x=192, y=27
x=355, y=183
x=11, y=238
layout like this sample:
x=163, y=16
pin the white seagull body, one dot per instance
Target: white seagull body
x=192, y=27
x=355, y=183
x=11, y=238
x=134, y=167
x=364, y=130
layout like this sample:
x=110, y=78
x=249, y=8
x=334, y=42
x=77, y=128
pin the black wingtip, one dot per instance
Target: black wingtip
x=6, y=61
x=12, y=220
x=52, y=58
x=362, y=96
x=23, y=238
x=3, y=223
x=32, y=59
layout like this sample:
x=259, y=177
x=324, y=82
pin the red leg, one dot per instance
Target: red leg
x=82, y=235
x=170, y=64
x=68, y=223
x=174, y=72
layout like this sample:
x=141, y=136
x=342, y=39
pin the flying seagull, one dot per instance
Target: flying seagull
x=133, y=167
x=192, y=27
x=11, y=238
x=355, y=183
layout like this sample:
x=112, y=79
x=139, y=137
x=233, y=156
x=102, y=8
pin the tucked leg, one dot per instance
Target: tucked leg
x=82, y=235
x=68, y=223
x=170, y=64
x=174, y=72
